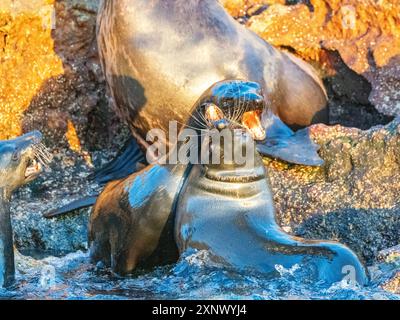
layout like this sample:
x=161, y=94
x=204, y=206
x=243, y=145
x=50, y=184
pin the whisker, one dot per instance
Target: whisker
x=45, y=155
x=238, y=124
x=190, y=127
x=196, y=119
x=203, y=117
x=42, y=154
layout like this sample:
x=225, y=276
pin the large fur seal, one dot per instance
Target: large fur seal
x=227, y=210
x=21, y=161
x=159, y=56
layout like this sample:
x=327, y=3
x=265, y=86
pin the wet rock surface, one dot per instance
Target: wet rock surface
x=393, y=284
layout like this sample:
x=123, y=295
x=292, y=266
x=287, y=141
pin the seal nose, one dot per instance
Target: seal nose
x=221, y=124
x=34, y=136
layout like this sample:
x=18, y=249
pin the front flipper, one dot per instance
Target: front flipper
x=123, y=165
x=282, y=143
x=81, y=203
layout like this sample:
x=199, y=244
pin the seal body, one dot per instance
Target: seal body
x=131, y=223
x=228, y=211
x=159, y=56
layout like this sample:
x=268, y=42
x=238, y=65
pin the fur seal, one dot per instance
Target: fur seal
x=21, y=161
x=227, y=210
x=159, y=56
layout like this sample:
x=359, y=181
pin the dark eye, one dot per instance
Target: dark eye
x=16, y=156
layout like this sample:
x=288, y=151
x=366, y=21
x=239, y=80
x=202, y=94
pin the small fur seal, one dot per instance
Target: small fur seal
x=21, y=161
x=227, y=210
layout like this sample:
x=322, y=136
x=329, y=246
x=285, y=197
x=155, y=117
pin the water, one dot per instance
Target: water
x=193, y=277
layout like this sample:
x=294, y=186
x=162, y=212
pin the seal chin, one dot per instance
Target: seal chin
x=236, y=175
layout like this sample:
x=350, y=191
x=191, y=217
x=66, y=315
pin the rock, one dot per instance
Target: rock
x=393, y=285
x=389, y=255
x=27, y=61
x=385, y=82
x=354, y=198
x=243, y=8
x=55, y=83
x=366, y=231
x=366, y=35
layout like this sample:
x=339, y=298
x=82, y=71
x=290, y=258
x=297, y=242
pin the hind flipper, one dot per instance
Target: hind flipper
x=282, y=143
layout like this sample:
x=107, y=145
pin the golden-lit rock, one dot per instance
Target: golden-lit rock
x=238, y=8
x=27, y=59
x=393, y=285
x=365, y=33
x=50, y=74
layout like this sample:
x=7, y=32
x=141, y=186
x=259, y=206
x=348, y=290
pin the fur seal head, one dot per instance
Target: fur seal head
x=21, y=161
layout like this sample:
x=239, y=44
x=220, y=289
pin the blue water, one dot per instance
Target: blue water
x=193, y=277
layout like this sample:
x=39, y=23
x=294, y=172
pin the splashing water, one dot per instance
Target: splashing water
x=193, y=277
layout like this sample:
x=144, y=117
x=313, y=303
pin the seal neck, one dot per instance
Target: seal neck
x=248, y=172
x=7, y=269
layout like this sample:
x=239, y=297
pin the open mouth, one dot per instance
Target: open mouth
x=251, y=121
x=39, y=159
x=213, y=113
x=33, y=169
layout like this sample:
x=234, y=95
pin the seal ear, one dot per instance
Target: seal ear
x=282, y=143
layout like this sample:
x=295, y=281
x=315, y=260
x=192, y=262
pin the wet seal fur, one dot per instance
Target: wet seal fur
x=158, y=57
x=21, y=161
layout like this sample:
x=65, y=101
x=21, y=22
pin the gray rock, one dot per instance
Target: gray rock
x=354, y=198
